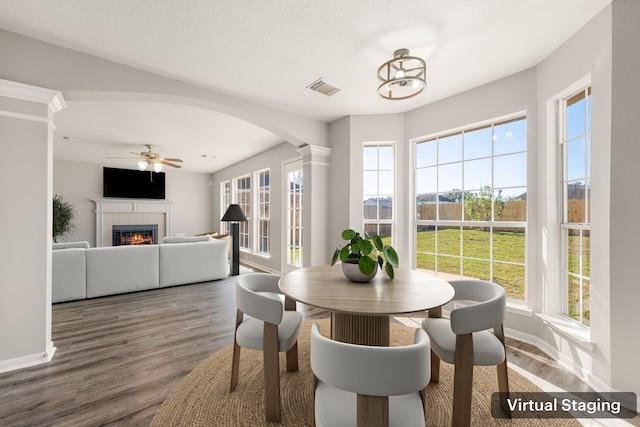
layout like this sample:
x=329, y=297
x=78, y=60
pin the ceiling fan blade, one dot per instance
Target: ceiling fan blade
x=171, y=160
x=129, y=158
x=142, y=156
x=173, y=165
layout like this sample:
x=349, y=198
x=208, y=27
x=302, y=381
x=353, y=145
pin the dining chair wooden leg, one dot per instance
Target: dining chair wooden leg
x=435, y=313
x=271, y=373
x=292, y=358
x=235, y=361
x=235, y=366
x=462, y=381
x=503, y=374
x=503, y=387
x=373, y=411
x=315, y=386
x=435, y=368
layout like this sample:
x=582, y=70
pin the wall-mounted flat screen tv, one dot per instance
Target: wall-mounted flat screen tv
x=132, y=184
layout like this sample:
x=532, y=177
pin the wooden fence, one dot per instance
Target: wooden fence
x=514, y=210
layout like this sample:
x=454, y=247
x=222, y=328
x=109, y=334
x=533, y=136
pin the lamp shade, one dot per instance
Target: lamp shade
x=234, y=213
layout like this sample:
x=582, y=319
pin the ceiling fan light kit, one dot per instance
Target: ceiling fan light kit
x=152, y=161
x=402, y=77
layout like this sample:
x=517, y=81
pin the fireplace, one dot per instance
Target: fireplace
x=144, y=234
x=110, y=212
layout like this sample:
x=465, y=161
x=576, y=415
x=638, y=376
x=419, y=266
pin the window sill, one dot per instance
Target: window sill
x=257, y=254
x=519, y=309
x=569, y=329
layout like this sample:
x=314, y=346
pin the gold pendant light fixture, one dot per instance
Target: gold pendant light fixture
x=402, y=77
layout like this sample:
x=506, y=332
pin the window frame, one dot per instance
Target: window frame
x=392, y=222
x=226, y=198
x=245, y=238
x=261, y=219
x=465, y=223
x=566, y=227
x=293, y=206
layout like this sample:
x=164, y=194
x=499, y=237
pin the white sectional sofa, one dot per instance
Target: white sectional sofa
x=81, y=272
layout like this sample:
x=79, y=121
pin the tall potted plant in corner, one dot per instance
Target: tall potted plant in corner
x=63, y=215
x=362, y=255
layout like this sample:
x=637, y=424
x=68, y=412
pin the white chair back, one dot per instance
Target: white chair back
x=488, y=310
x=267, y=327
x=261, y=306
x=370, y=370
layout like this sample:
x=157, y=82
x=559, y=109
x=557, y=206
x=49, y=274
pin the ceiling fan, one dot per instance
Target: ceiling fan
x=153, y=161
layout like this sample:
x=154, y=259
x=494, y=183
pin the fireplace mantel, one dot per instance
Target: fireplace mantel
x=109, y=211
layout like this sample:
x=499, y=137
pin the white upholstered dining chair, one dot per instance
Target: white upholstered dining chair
x=352, y=382
x=466, y=340
x=264, y=322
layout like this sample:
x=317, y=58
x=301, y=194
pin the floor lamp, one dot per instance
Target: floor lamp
x=234, y=215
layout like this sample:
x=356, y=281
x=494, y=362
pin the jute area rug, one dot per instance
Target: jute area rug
x=202, y=398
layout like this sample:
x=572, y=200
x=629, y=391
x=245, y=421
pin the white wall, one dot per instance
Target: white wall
x=272, y=159
x=347, y=137
x=340, y=173
x=588, y=52
x=625, y=176
x=80, y=182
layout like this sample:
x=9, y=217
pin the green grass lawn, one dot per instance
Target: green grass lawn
x=579, y=250
x=467, y=252
x=508, y=260
x=475, y=246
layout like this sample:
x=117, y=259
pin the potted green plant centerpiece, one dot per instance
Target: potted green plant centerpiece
x=362, y=255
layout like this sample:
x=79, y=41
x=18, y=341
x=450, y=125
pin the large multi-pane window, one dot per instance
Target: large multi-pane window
x=225, y=201
x=378, y=189
x=576, y=208
x=243, y=198
x=264, y=215
x=295, y=192
x=471, y=203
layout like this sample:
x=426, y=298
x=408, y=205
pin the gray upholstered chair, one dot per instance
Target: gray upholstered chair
x=466, y=340
x=351, y=379
x=265, y=323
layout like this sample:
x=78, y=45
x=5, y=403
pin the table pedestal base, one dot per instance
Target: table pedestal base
x=360, y=329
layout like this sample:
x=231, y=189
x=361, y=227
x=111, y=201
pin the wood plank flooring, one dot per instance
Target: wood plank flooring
x=119, y=357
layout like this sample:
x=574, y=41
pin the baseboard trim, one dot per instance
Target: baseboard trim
x=28, y=360
x=562, y=359
x=259, y=267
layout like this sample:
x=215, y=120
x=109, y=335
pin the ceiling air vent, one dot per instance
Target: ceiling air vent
x=323, y=87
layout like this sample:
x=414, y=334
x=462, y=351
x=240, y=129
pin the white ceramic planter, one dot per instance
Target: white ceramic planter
x=352, y=272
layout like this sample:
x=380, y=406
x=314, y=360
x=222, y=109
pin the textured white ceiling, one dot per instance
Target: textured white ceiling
x=269, y=51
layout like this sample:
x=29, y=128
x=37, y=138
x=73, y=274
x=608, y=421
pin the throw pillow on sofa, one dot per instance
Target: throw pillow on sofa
x=69, y=245
x=186, y=239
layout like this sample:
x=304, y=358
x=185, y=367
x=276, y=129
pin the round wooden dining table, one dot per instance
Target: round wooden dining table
x=361, y=311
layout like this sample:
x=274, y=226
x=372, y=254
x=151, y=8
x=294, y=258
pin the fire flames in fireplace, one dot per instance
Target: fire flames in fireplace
x=134, y=234
x=137, y=239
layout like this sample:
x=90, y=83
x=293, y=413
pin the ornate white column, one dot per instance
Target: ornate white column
x=26, y=191
x=315, y=165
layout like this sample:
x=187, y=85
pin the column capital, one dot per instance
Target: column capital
x=314, y=150
x=24, y=92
